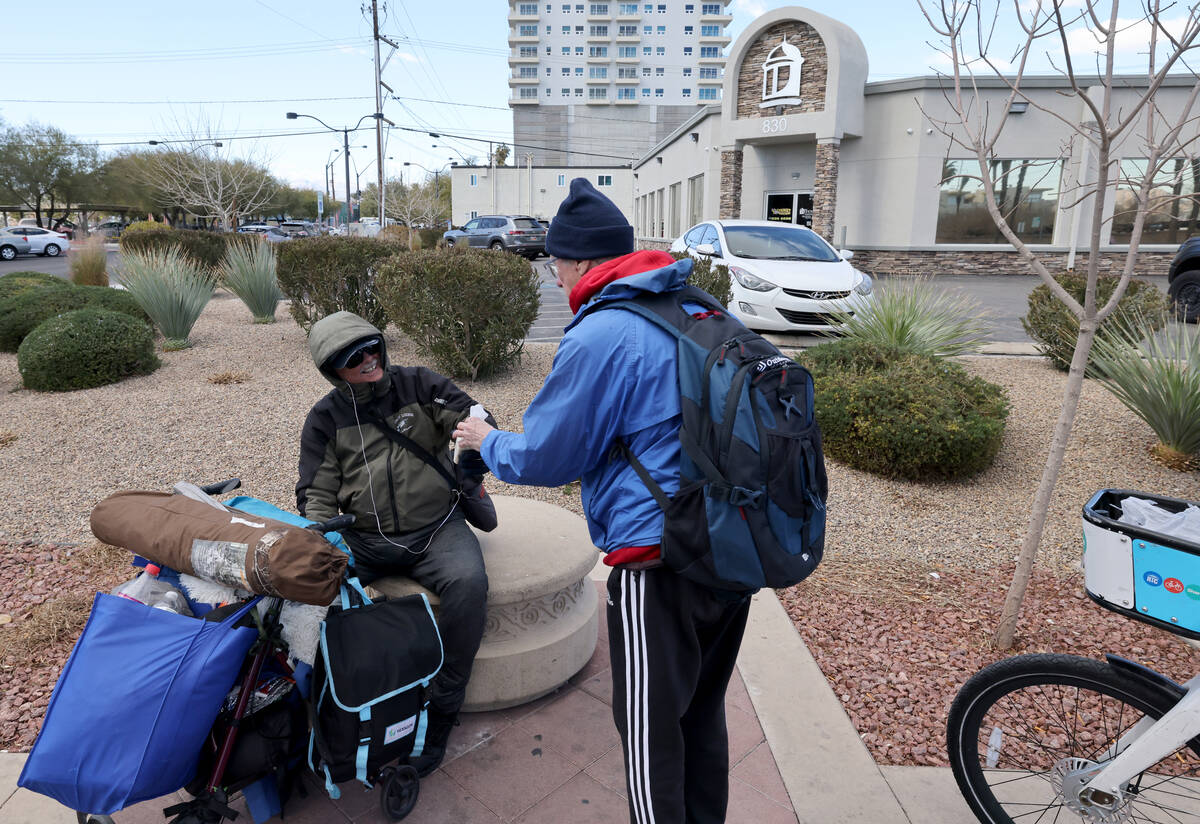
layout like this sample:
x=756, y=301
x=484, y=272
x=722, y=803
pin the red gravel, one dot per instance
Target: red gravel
x=896, y=644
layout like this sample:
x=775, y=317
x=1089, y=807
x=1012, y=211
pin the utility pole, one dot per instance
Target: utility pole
x=379, y=121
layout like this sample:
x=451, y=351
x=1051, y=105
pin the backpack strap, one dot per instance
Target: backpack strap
x=651, y=484
x=415, y=448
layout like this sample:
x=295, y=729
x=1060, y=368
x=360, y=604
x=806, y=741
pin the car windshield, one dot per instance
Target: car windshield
x=526, y=223
x=782, y=242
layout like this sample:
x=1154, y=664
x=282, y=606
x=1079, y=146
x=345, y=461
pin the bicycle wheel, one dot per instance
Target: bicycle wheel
x=1025, y=733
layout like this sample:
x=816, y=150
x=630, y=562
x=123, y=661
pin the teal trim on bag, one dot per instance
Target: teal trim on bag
x=422, y=725
x=364, y=744
x=418, y=682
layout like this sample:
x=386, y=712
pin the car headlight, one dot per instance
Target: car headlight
x=864, y=286
x=751, y=282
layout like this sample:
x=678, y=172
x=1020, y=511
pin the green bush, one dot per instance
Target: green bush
x=172, y=289
x=323, y=275
x=468, y=310
x=15, y=283
x=206, y=248
x=85, y=348
x=1055, y=330
x=21, y=314
x=248, y=271
x=709, y=276
x=902, y=415
x=144, y=226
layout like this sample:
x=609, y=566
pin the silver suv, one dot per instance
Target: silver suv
x=519, y=234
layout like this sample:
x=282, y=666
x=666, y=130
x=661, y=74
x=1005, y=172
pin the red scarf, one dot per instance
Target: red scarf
x=600, y=276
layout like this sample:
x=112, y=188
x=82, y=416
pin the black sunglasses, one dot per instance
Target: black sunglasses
x=358, y=356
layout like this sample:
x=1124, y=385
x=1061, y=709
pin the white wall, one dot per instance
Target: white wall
x=510, y=194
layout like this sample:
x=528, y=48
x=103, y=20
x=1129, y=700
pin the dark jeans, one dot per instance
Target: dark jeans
x=673, y=645
x=451, y=565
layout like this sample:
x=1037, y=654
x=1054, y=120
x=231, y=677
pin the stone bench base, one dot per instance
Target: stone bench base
x=541, y=609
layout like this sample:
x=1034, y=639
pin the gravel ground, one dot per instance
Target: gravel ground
x=60, y=454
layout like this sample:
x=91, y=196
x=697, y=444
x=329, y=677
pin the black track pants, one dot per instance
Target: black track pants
x=673, y=646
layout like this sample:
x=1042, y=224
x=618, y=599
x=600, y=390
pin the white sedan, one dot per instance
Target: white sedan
x=42, y=241
x=786, y=278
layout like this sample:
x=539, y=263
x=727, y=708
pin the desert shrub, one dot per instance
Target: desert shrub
x=1054, y=329
x=15, y=283
x=1152, y=366
x=904, y=415
x=144, y=226
x=248, y=271
x=914, y=315
x=206, y=248
x=21, y=314
x=469, y=311
x=85, y=348
x=89, y=262
x=171, y=288
x=710, y=276
x=323, y=275
x=429, y=238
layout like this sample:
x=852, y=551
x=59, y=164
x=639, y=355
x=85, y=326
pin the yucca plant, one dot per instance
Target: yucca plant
x=171, y=288
x=913, y=316
x=1153, y=367
x=89, y=262
x=248, y=270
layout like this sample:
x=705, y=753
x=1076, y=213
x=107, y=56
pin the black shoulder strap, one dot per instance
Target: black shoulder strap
x=415, y=448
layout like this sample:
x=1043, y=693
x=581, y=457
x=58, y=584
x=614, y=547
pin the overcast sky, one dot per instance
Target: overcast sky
x=130, y=71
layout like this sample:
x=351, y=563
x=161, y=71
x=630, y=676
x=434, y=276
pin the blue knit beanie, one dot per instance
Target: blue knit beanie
x=588, y=226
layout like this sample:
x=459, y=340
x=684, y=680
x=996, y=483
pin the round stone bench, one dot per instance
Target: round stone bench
x=541, y=607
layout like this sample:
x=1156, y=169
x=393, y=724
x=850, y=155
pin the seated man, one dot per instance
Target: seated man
x=407, y=518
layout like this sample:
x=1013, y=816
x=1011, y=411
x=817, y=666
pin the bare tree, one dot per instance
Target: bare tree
x=210, y=186
x=413, y=205
x=1121, y=115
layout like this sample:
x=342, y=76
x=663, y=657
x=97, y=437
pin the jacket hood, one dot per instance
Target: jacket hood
x=335, y=332
x=626, y=277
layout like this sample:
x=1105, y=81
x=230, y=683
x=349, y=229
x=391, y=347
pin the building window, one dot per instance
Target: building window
x=598, y=72
x=547, y=71
x=626, y=72
x=1026, y=192
x=647, y=31
x=626, y=51
x=598, y=31
x=662, y=8
x=528, y=51
x=579, y=9
x=547, y=51
x=549, y=8
x=688, y=29
x=657, y=92
x=688, y=8
x=566, y=50
x=659, y=71
x=687, y=72
x=645, y=71
x=709, y=73
x=548, y=29
x=660, y=51
x=627, y=31
x=579, y=71
x=527, y=71
x=603, y=180
x=547, y=92
x=628, y=8
x=687, y=92
x=597, y=94
x=598, y=51
x=647, y=51
x=660, y=30
x=474, y=214
x=474, y=182
x=579, y=30
x=687, y=51
x=710, y=51
x=579, y=92
x=645, y=92
x=566, y=92
x=566, y=29
x=1173, y=208
x=599, y=9
x=566, y=71
x=706, y=94
x=528, y=31
x=710, y=8
x=626, y=94
x=566, y=8
x=710, y=31
x=648, y=8
x=527, y=8
x=579, y=51
x=528, y=93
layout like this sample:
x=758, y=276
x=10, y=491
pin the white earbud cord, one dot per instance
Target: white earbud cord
x=362, y=444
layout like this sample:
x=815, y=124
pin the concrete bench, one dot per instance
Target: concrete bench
x=541, y=608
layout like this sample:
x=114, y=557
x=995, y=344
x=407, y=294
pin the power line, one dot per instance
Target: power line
x=189, y=102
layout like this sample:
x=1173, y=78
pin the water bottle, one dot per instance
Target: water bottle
x=146, y=588
x=173, y=601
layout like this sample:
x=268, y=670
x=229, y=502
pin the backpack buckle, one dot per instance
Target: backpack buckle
x=741, y=496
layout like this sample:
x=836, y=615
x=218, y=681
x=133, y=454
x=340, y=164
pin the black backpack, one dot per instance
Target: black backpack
x=750, y=510
x=368, y=702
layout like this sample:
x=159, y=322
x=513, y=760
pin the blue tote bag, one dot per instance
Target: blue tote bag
x=133, y=705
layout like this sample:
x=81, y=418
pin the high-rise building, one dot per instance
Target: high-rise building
x=596, y=83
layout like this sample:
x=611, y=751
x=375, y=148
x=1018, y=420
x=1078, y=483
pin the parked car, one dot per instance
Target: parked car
x=42, y=241
x=786, y=278
x=109, y=228
x=298, y=228
x=12, y=245
x=1183, y=280
x=254, y=228
x=519, y=234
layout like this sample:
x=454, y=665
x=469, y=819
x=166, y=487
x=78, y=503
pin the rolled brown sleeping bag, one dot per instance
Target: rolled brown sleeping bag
x=225, y=546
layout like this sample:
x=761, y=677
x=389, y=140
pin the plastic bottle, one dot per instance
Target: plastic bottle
x=146, y=588
x=173, y=601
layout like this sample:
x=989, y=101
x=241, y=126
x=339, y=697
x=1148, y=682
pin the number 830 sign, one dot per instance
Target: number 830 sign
x=774, y=125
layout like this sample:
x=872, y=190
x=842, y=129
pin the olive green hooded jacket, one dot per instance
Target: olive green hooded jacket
x=348, y=464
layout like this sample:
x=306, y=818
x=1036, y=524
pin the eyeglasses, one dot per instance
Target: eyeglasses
x=358, y=356
x=554, y=262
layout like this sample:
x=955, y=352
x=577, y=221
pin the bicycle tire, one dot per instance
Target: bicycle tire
x=1006, y=757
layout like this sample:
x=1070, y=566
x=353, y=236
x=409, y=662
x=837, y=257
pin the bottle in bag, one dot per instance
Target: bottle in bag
x=173, y=601
x=146, y=588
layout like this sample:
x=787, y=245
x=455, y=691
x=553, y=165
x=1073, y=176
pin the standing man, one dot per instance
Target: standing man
x=359, y=454
x=672, y=642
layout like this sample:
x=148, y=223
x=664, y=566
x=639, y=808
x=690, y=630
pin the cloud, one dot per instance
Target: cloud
x=752, y=8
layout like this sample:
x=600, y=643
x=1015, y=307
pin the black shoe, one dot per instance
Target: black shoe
x=436, y=737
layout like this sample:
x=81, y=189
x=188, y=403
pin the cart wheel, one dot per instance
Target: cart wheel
x=400, y=789
x=87, y=818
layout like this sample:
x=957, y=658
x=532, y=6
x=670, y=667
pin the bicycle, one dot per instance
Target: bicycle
x=1056, y=738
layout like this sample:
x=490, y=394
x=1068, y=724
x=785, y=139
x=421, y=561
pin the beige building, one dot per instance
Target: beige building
x=530, y=190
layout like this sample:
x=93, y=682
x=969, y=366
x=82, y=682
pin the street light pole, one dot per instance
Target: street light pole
x=345, y=146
